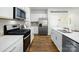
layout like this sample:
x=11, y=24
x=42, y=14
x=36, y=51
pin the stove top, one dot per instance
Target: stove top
x=18, y=32
x=24, y=32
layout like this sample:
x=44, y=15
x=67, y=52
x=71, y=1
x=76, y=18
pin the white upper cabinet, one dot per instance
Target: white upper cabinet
x=6, y=12
x=38, y=14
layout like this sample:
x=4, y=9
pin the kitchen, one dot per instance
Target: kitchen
x=20, y=26
x=14, y=37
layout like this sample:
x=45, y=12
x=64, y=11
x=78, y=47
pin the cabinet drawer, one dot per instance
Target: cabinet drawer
x=15, y=47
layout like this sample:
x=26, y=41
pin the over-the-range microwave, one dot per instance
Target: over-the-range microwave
x=19, y=13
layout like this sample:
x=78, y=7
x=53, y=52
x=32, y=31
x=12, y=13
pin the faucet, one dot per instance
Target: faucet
x=67, y=29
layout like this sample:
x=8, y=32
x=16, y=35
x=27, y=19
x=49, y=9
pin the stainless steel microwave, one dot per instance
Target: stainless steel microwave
x=19, y=13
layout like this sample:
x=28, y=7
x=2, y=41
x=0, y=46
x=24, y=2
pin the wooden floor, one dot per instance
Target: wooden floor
x=42, y=44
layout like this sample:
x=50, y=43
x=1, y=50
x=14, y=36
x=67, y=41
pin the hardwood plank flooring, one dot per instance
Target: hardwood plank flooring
x=42, y=44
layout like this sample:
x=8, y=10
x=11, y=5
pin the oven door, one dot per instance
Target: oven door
x=26, y=43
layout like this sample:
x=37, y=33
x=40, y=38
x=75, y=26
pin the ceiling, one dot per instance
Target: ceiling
x=45, y=8
x=38, y=8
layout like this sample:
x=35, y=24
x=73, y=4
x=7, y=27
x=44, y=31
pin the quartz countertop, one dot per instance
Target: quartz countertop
x=73, y=35
x=7, y=40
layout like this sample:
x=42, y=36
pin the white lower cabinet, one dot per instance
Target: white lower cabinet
x=57, y=39
x=32, y=33
x=16, y=47
x=34, y=29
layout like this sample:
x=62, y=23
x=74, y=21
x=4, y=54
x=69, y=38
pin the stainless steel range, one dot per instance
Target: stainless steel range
x=18, y=31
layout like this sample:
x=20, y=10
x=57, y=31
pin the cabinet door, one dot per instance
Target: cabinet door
x=53, y=35
x=16, y=47
x=32, y=33
x=20, y=46
x=36, y=30
x=6, y=12
x=59, y=41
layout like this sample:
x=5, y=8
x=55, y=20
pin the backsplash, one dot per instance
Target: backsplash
x=10, y=24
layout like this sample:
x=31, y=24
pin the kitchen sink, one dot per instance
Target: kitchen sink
x=64, y=31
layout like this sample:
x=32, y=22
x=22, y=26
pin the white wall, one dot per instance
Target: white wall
x=74, y=15
x=56, y=19
x=70, y=20
x=27, y=20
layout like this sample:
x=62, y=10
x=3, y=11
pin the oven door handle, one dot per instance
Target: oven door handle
x=26, y=37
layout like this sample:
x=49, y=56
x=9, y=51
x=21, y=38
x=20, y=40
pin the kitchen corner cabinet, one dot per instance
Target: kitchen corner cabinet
x=57, y=39
x=16, y=47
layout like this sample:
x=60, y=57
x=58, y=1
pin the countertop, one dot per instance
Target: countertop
x=73, y=35
x=7, y=40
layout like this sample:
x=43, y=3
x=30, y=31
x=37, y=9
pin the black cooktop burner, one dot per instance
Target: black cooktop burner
x=18, y=32
x=24, y=32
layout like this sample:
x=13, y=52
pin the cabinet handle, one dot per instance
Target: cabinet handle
x=26, y=37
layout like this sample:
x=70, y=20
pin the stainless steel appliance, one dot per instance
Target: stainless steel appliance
x=25, y=32
x=69, y=45
x=18, y=13
x=43, y=26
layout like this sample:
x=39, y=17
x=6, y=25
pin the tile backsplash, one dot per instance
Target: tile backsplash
x=9, y=23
